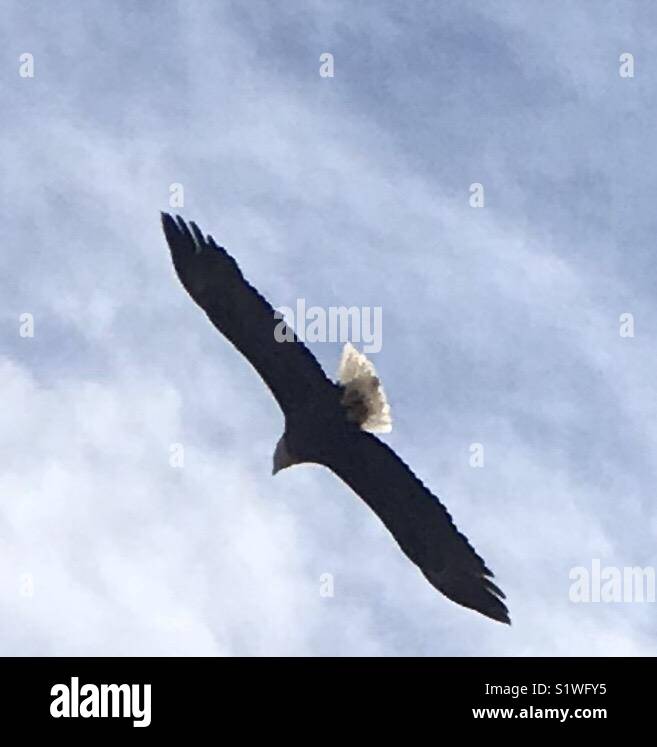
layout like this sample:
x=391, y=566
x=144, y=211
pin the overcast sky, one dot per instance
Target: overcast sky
x=501, y=324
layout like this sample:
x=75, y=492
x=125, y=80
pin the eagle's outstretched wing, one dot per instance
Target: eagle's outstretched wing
x=419, y=522
x=213, y=279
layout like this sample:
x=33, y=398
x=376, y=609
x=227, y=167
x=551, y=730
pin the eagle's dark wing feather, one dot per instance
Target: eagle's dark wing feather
x=213, y=279
x=419, y=522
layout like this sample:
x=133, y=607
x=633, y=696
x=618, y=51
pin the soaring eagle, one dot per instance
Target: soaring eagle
x=330, y=423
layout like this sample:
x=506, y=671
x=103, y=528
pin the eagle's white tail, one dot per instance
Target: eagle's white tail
x=363, y=398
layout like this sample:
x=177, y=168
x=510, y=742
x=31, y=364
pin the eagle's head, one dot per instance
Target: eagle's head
x=282, y=456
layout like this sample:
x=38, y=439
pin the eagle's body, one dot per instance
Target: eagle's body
x=316, y=428
x=327, y=423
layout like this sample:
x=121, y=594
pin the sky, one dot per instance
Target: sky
x=501, y=325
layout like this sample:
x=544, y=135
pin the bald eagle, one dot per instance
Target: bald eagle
x=332, y=423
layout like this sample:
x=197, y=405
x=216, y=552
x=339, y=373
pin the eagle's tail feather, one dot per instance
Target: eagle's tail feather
x=363, y=397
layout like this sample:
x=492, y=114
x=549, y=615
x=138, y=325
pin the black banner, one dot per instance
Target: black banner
x=257, y=695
